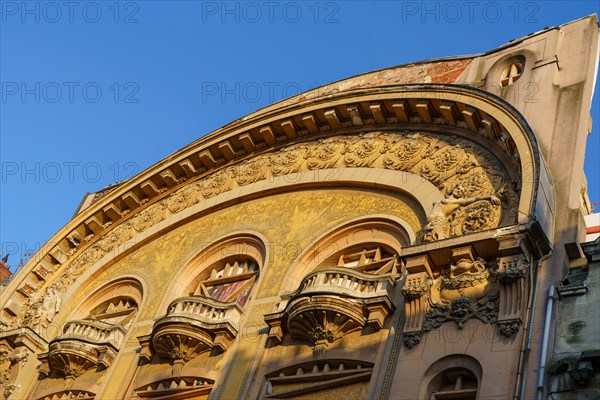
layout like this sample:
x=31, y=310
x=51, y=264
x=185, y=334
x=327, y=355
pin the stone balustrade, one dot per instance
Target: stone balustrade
x=93, y=331
x=346, y=281
x=331, y=303
x=204, y=310
x=191, y=326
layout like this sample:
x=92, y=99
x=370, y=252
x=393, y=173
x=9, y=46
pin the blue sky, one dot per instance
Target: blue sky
x=94, y=92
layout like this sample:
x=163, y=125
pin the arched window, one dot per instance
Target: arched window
x=511, y=73
x=205, y=311
x=453, y=383
x=118, y=310
x=228, y=280
x=92, y=336
x=370, y=258
x=367, y=245
x=341, y=285
x=457, y=376
x=225, y=271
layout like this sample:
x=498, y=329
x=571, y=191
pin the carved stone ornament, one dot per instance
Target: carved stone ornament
x=331, y=303
x=579, y=367
x=447, y=219
x=509, y=328
x=417, y=290
x=510, y=269
x=472, y=180
x=582, y=374
x=83, y=345
x=9, y=367
x=465, y=292
x=317, y=379
x=192, y=326
x=177, y=387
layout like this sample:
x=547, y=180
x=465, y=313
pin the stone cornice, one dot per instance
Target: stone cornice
x=429, y=107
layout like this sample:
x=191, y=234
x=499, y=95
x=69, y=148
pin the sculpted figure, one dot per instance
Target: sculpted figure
x=50, y=305
x=437, y=222
x=466, y=279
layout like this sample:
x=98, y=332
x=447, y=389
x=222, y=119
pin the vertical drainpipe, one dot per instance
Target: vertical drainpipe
x=523, y=358
x=543, y=358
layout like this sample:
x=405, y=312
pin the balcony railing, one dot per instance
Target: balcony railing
x=346, y=281
x=84, y=344
x=94, y=331
x=331, y=303
x=191, y=326
x=204, y=310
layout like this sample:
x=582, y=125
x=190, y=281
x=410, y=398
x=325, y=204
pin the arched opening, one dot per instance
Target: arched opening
x=453, y=383
x=457, y=376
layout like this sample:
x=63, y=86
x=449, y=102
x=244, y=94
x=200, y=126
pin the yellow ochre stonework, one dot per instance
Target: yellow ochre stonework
x=389, y=236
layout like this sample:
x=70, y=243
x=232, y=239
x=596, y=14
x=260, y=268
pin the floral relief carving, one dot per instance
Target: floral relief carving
x=288, y=160
x=180, y=200
x=216, y=183
x=480, y=193
x=447, y=218
x=326, y=154
x=250, y=172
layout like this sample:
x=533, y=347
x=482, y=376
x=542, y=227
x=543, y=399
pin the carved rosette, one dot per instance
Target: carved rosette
x=331, y=303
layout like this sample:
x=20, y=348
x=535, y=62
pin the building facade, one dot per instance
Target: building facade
x=409, y=233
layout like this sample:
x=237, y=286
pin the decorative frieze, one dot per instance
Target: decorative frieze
x=468, y=175
x=316, y=379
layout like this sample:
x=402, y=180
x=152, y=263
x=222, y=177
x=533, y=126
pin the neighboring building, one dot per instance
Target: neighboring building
x=592, y=223
x=392, y=235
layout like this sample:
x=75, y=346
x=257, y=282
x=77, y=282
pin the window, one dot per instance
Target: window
x=454, y=377
x=119, y=310
x=230, y=280
x=511, y=73
x=372, y=259
x=347, y=379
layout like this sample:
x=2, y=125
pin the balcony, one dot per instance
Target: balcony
x=83, y=345
x=191, y=326
x=331, y=303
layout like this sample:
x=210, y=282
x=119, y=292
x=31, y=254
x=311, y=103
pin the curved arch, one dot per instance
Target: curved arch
x=198, y=268
x=127, y=287
x=373, y=230
x=474, y=111
x=450, y=362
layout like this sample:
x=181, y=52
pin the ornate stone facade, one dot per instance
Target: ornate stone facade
x=379, y=242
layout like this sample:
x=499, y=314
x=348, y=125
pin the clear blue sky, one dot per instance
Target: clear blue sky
x=96, y=91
